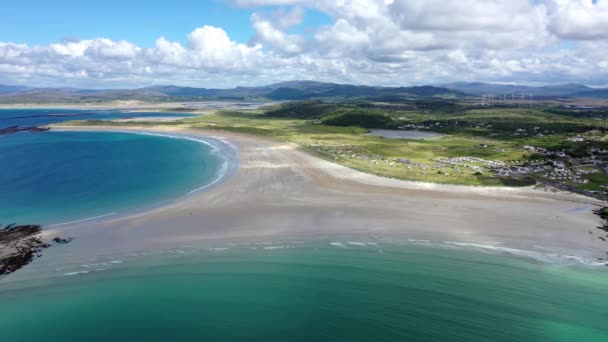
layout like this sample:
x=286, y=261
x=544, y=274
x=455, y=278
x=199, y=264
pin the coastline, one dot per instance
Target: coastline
x=224, y=150
x=343, y=173
x=280, y=191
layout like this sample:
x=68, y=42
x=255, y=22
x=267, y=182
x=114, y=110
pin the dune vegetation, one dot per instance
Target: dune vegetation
x=474, y=139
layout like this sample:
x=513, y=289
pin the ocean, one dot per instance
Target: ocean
x=56, y=177
x=359, y=288
x=309, y=290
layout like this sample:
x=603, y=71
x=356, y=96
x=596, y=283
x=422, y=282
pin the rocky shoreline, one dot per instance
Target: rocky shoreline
x=603, y=214
x=19, y=245
x=17, y=129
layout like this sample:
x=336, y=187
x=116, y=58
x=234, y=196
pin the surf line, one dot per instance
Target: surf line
x=83, y=220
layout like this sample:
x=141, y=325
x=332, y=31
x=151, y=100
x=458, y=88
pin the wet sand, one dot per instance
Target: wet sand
x=279, y=190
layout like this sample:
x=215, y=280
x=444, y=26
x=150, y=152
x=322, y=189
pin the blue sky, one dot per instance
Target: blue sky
x=140, y=22
x=224, y=43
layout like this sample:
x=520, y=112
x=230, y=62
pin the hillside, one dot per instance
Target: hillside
x=284, y=91
x=564, y=90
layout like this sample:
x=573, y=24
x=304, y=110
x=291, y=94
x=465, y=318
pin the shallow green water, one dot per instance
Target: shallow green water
x=312, y=292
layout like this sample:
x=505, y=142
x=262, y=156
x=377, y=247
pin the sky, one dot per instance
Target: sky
x=225, y=43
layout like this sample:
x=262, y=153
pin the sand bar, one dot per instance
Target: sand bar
x=279, y=190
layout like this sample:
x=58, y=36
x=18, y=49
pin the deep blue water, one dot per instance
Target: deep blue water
x=54, y=177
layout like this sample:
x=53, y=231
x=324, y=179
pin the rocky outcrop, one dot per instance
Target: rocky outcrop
x=19, y=245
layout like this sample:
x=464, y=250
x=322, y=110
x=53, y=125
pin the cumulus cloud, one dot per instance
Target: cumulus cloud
x=270, y=33
x=385, y=42
x=579, y=19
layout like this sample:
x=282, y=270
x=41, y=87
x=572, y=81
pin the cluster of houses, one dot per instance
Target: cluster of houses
x=515, y=168
x=536, y=131
x=561, y=174
x=561, y=169
x=555, y=168
x=350, y=151
x=473, y=163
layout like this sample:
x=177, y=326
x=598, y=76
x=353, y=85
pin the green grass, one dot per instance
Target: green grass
x=353, y=147
x=340, y=143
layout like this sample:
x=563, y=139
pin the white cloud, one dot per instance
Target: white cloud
x=210, y=47
x=579, y=19
x=105, y=48
x=395, y=42
x=269, y=34
x=287, y=18
x=343, y=35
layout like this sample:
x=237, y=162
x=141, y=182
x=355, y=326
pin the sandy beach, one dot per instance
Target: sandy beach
x=280, y=191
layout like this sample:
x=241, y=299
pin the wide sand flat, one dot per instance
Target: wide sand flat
x=280, y=191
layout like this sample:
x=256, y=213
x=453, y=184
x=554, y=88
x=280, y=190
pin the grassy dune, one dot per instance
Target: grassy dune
x=354, y=147
x=486, y=133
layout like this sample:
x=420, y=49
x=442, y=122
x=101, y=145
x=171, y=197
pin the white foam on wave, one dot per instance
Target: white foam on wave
x=214, y=150
x=219, y=176
x=338, y=244
x=84, y=272
x=278, y=247
x=357, y=243
x=83, y=220
x=226, y=142
x=107, y=263
x=219, y=249
x=75, y=273
x=534, y=255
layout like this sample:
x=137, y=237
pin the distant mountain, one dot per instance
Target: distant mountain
x=11, y=89
x=290, y=90
x=564, y=90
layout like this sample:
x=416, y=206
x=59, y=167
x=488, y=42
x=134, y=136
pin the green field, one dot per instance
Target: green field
x=487, y=133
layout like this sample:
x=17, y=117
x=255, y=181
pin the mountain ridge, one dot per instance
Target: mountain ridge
x=292, y=90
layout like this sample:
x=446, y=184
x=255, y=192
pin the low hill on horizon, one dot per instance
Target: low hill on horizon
x=290, y=91
x=562, y=90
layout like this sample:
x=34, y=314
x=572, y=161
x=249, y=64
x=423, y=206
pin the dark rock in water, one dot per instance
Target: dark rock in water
x=16, y=232
x=14, y=262
x=603, y=213
x=19, y=245
x=60, y=240
x=16, y=129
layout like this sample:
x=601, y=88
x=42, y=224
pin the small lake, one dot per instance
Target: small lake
x=403, y=134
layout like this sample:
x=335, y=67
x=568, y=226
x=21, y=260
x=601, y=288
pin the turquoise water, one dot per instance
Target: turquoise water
x=314, y=292
x=53, y=177
x=304, y=291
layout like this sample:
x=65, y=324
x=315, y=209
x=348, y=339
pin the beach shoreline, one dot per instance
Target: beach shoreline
x=279, y=190
x=332, y=169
